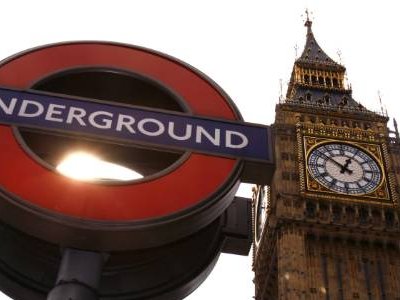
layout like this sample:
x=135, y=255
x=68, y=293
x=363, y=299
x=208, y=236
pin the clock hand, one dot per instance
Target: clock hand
x=345, y=167
x=332, y=160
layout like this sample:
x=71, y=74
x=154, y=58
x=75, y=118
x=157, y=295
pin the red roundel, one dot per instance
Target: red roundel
x=193, y=184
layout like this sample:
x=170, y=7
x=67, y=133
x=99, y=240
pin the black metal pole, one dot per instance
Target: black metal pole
x=79, y=275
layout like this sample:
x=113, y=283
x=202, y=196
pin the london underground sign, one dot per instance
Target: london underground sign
x=129, y=124
x=147, y=111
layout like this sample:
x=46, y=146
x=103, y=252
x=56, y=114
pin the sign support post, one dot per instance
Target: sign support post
x=79, y=275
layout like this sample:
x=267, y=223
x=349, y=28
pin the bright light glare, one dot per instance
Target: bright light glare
x=87, y=167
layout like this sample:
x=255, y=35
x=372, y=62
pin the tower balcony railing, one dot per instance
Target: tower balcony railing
x=331, y=107
x=342, y=87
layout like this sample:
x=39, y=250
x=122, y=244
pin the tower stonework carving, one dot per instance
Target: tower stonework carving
x=328, y=226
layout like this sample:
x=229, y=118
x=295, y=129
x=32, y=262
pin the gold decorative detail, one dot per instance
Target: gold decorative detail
x=301, y=160
x=390, y=174
x=356, y=134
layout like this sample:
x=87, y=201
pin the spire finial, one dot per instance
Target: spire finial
x=380, y=101
x=339, y=54
x=308, y=22
x=396, y=130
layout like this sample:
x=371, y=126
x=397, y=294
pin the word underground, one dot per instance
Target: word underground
x=107, y=120
x=121, y=122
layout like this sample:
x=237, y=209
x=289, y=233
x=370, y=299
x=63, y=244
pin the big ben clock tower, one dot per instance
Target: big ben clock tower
x=328, y=226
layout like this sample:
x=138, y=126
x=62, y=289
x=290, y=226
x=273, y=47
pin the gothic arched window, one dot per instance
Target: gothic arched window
x=310, y=209
x=328, y=81
x=327, y=99
x=363, y=215
x=314, y=79
x=350, y=214
x=389, y=218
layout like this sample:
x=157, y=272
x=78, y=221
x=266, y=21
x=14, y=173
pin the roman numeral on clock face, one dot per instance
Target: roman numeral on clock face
x=333, y=182
x=366, y=179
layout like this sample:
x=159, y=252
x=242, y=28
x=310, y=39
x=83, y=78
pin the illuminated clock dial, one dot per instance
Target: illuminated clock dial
x=260, y=213
x=344, y=168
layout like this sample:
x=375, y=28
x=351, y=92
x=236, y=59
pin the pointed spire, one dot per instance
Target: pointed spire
x=317, y=79
x=313, y=53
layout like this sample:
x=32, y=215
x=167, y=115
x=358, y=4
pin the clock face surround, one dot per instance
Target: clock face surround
x=344, y=168
x=260, y=213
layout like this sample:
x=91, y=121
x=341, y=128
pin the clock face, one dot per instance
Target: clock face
x=344, y=168
x=260, y=215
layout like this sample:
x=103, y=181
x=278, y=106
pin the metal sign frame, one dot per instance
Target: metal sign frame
x=181, y=200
